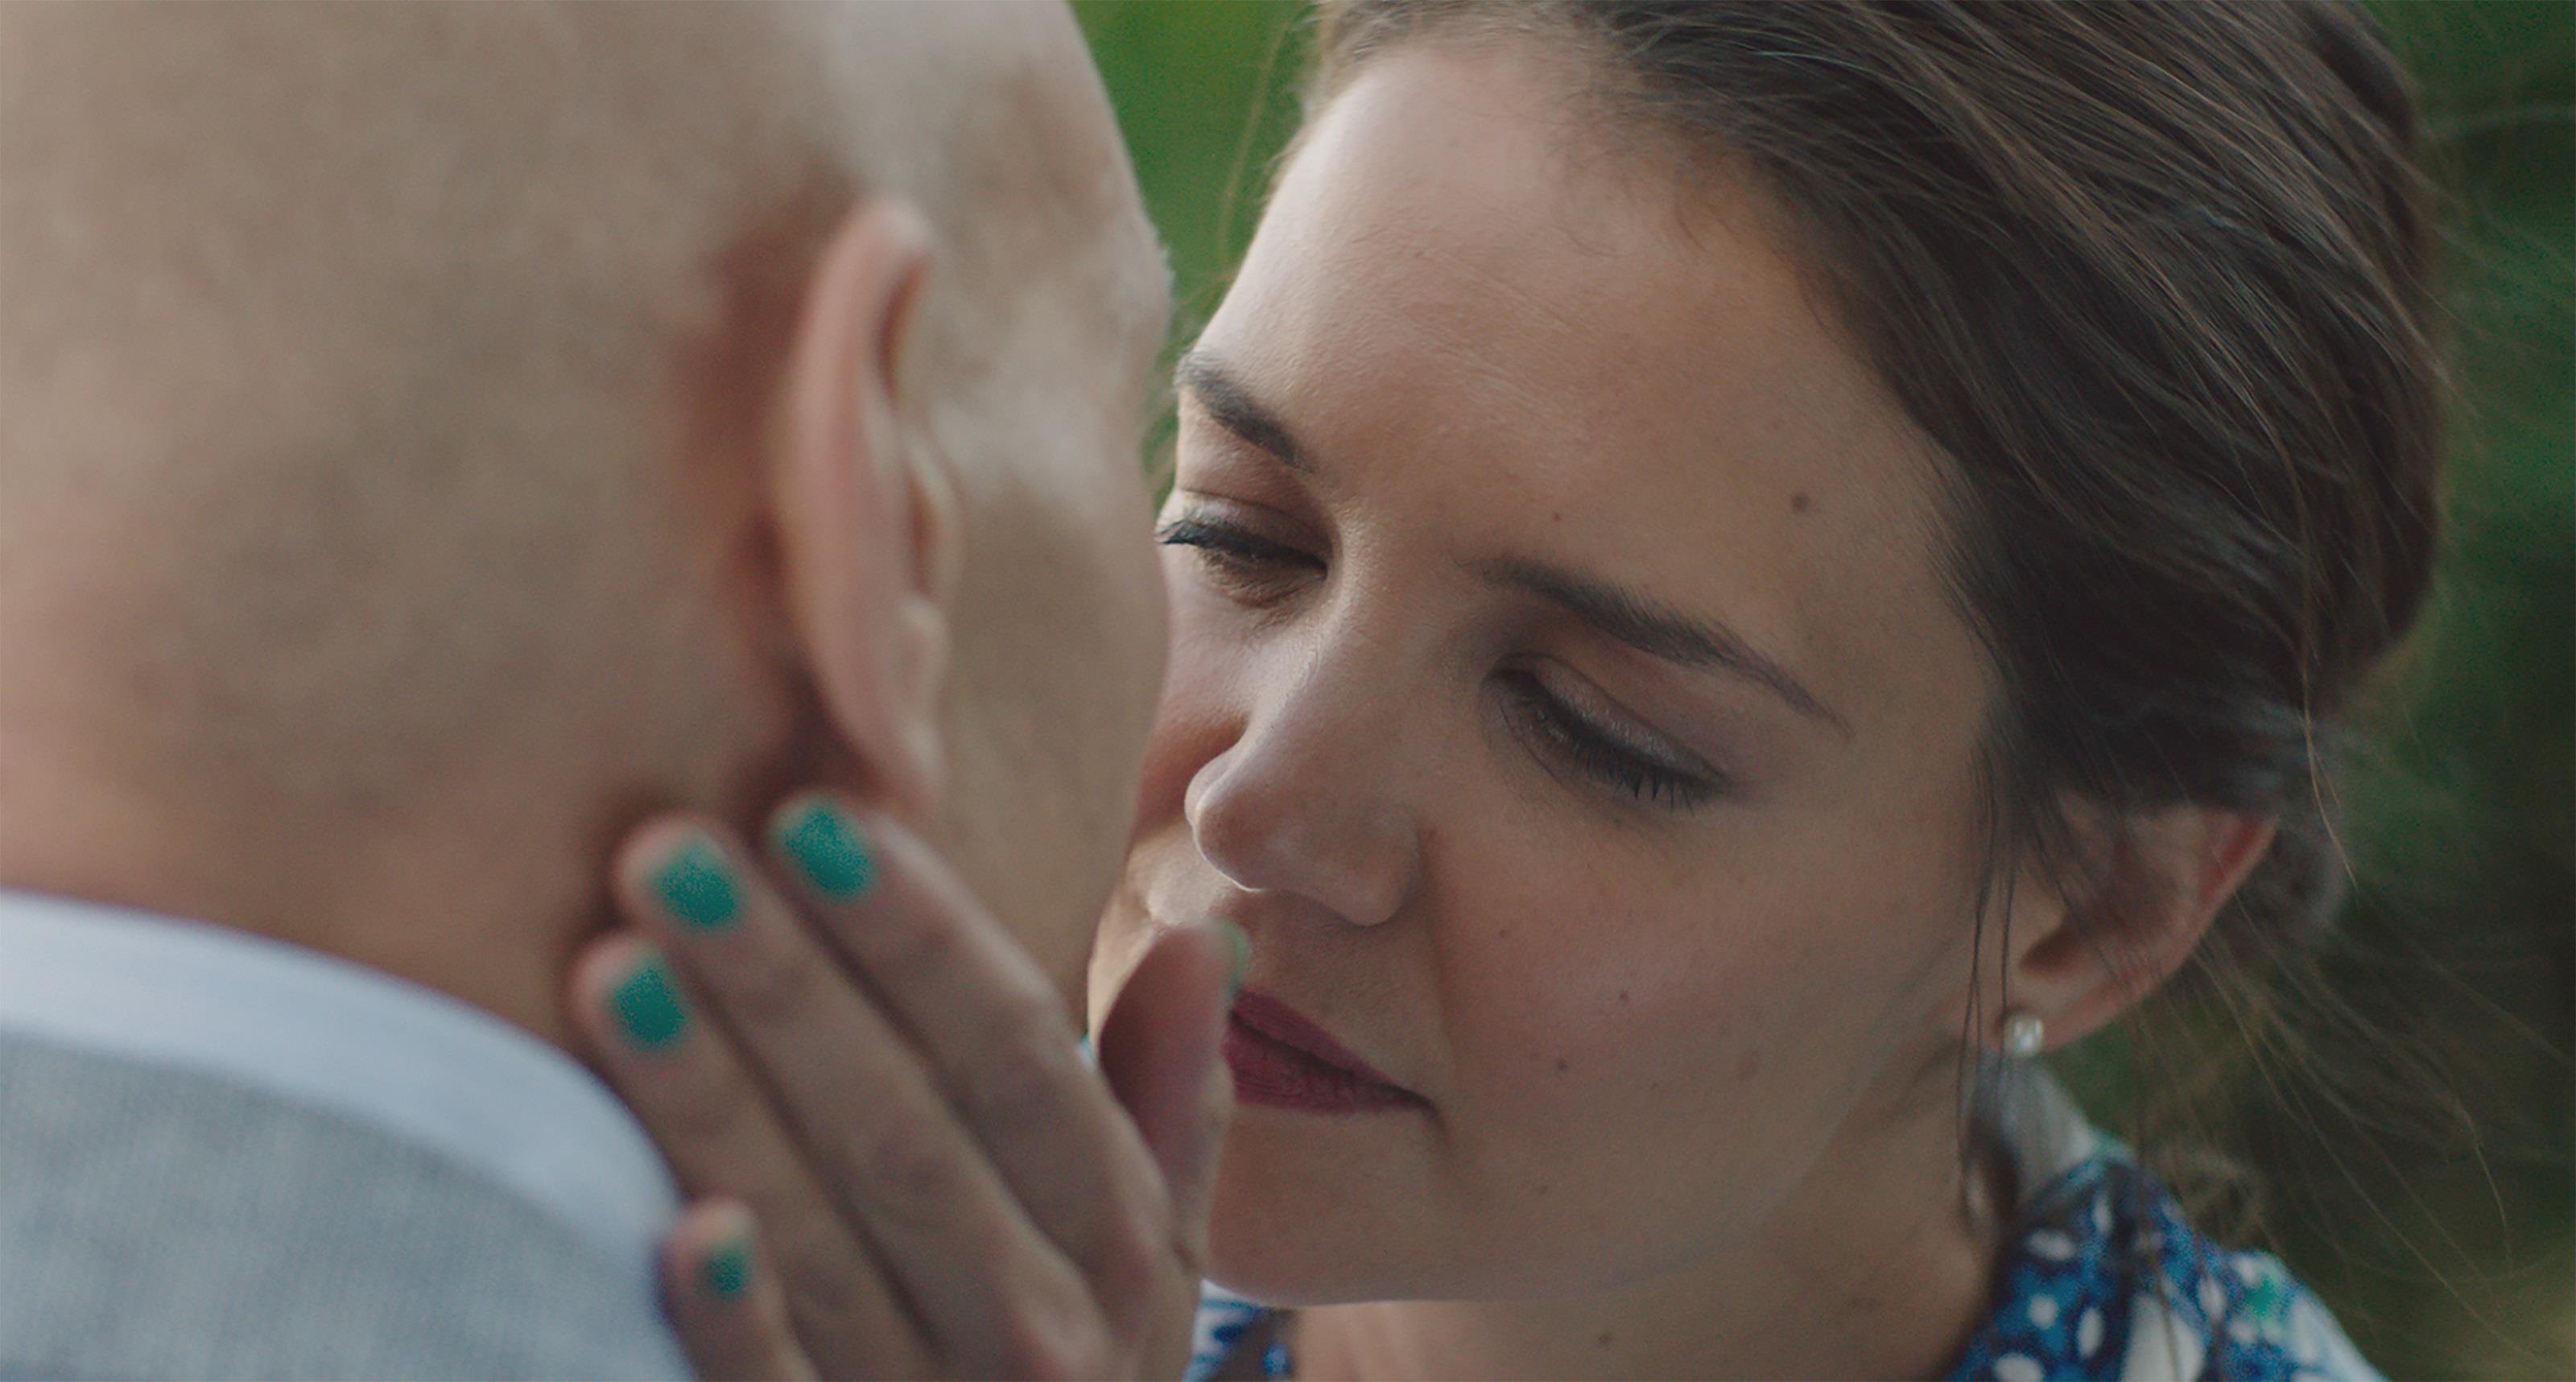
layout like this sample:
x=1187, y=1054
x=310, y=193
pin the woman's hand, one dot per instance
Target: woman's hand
x=863, y=1064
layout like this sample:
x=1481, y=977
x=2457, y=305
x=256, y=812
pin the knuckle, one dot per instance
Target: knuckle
x=1024, y=1073
x=916, y=952
x=1127, y=1265
x=1055, y=1346
x=907, y=1169
x=835, y=1307
x=821, y=1272
x=698, y=1110
x=823, y=1306
x=773, y=987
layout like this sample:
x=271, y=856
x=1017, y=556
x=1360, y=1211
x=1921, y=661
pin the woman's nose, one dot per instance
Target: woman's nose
x=1310, y=800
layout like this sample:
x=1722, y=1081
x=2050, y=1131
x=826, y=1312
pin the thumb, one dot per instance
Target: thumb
x=1159, y=1051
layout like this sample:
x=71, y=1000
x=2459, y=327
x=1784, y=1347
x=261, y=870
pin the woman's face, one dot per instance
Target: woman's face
x=1565, y=700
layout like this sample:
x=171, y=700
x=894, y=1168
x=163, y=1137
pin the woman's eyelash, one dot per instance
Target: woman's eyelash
x=1598, y=755
x=1230, y=543
x=1603, y=758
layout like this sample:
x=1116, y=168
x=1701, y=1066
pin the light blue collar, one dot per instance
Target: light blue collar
x=327, y=1033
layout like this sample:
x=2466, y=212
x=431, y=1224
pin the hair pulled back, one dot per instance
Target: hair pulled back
x=2155, y=280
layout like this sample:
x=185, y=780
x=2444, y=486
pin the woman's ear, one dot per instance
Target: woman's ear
x=864, y=517
x=2160, y=886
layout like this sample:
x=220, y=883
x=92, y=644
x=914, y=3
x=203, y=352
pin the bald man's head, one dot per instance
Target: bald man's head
x=392, y=395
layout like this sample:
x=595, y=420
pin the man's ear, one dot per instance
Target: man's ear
x=2160, y=889
x=863, y=515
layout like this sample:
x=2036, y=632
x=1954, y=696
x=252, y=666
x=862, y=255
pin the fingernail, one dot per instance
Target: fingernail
x=827, y=849
x=725, y=1272
x=695, y=885
x=1239, y=957
x=647, y=1005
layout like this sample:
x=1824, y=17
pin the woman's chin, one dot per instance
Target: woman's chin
x=1290, y=1282
x=1287, y=1239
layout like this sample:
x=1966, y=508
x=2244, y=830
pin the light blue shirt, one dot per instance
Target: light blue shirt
x=420, y=1066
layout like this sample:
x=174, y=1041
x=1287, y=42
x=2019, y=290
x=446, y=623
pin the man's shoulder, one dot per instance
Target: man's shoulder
x=163, y=1221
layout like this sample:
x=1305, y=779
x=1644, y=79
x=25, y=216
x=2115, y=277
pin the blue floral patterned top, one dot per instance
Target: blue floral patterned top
x=2075, y=1297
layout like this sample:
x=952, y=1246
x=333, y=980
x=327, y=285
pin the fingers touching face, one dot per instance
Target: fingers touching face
x=892, y=1088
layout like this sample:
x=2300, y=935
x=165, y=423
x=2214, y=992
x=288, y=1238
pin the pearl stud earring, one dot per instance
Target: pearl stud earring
x=2023, y=1034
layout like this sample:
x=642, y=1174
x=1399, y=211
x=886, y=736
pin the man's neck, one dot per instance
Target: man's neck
x=461, y=890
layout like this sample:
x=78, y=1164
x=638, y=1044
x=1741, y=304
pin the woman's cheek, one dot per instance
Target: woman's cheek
x=1626, y=1066
x=1583, y=1005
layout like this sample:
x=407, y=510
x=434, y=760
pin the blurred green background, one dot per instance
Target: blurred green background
x=2415, y=1153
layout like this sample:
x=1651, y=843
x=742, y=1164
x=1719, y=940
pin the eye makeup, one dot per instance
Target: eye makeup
x=1573, y=731
x=1247, y=565
x=1609, y=754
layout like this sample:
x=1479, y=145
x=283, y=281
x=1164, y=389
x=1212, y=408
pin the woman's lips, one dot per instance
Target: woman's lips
x=1282, y=1060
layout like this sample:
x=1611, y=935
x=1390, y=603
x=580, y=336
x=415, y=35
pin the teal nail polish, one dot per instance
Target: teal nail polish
x=647, y=1006
x=825, y=844
x=695, y=884
x=1238, y=957
x=725, y=1272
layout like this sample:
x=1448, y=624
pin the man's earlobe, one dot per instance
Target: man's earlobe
x=864, y=595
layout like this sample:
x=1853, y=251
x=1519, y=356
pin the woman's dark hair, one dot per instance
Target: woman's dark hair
x=2155, y=279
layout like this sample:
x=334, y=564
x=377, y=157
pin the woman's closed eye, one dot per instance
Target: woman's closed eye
x=1608, y=757
x=1249, y=565
x=1259, y=570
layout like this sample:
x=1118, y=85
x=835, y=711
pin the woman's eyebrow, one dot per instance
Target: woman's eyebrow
x=1205, y=380
x=1658, y=630
x=1625, y=615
